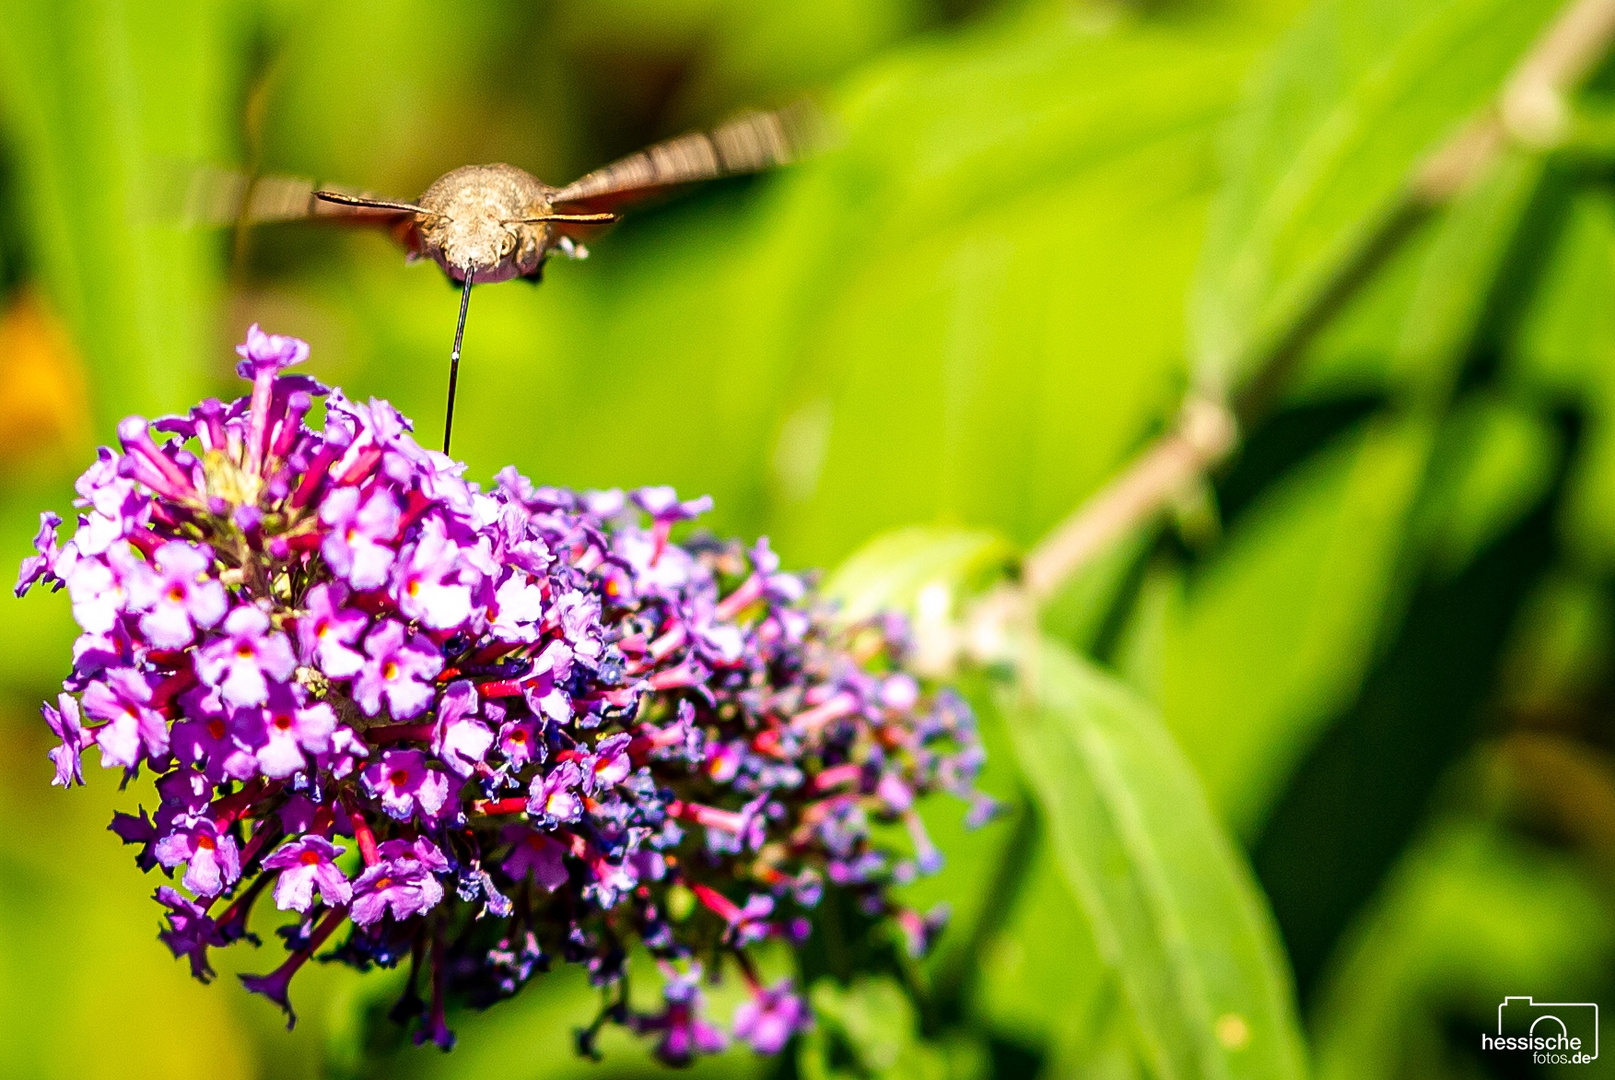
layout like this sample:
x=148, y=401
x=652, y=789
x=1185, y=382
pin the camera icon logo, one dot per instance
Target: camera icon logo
x=1558, y=1031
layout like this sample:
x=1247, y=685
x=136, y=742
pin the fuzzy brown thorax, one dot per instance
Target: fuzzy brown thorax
x=480, y=216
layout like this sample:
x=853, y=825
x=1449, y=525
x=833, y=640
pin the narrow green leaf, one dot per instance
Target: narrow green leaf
x=1318, y=156
x=1280, y=627
x=1566, y=347
x=96, y=96
x=867, y=1031
x=1171, y=904
x=894, y=571
x=1470, y=914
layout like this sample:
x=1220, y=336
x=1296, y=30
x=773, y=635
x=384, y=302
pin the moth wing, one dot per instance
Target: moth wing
x=751, y=142
x=209, y=196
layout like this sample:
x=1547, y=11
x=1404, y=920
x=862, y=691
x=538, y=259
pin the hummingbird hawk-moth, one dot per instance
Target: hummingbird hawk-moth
x=489, y=223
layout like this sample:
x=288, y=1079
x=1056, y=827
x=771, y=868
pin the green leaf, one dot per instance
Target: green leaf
x=97, y=95
x=872, y=1022
x=900, y=570
x=1470, y=916
x=1276, y=632
x=1171, y=904
x=1566, y=348
x=1318, y=156
x=1277, y=628
x=995, y=322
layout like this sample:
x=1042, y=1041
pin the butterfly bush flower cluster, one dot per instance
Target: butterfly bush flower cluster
x=476, y=732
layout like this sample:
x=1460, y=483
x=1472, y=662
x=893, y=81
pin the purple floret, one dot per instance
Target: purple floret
x=211, y=857
x=404, y=882
x=767, y=1020
x=242, y=662
x=401, y=782
x=399, y=667
x=176, y=595
x=305, y=864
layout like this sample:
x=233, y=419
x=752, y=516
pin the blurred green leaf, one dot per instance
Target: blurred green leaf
x=1320, y=153
x=1008, y=304
x=1170, y=902
x=1042, y=981
x=868, y=1031
x=1563, y=645
x=1498, y=463
x=894, y=572
x=1257, y=647
x=97, y=95
x=1469, y=917
x=1269, y=635
x=1565, y=351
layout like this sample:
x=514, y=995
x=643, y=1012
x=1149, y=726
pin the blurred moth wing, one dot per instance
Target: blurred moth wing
x=208, y=196
x=751, y=142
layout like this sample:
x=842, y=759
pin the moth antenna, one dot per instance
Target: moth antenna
x=454, y=357
x=374, y=204
x=582, y=219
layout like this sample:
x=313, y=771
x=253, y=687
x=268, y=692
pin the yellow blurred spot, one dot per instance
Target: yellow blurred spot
x=46, y=415
x=1232, y=1031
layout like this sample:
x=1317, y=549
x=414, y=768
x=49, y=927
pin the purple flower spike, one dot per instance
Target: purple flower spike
x=518, y=607
x=64, y=722
x=768, y=1019
x=212, y=859
x=268, y=352
x=242, y=662
x=400, y=667
x=205, y=740
x=554, y=796
x=306, y=864
x=98, y=590
x=404, y=785
x=144, y=461
x=190, y=932
x=662, y=504
x=136, y=830
x=519, y=742
x=177, y=595
x=426, y=580
x=751, y=924
x=685, y=1034
x=538, y=716
x=610, y=764
x=356, y=547
x=276, y=986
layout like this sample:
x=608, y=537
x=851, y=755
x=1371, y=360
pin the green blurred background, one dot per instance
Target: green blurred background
x=1383, y=635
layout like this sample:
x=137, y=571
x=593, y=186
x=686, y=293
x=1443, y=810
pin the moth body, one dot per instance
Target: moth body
x=486, y=217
